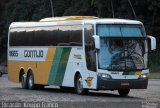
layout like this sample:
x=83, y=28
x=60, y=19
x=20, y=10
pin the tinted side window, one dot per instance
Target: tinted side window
x=21, y=37
x=68, y=35
x=75, y=36
x=46, y=36
x=90, y=47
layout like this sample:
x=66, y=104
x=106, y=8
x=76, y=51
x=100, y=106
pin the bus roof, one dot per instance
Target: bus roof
x=73, y=20
x=65, y=18
x=112, y=21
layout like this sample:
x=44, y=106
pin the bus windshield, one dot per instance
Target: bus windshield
x=122, y=30
x=118, y=51
x=121, y=54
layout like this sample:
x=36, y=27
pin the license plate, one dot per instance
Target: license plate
x=124, y=84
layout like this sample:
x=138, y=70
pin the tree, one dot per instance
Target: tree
x=146, y=11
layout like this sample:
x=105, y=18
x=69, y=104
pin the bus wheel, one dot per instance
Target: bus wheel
x=23, y=81
x=79, y=85
x=124, y=92
x=0, y=74
x=31, y=81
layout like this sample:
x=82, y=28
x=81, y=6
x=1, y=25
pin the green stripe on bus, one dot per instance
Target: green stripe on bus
x=59, y=66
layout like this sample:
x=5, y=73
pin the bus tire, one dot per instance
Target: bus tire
x=30, y=81
x=124, y=92
x=23, y=81
x=79, y=86
x=1, y=74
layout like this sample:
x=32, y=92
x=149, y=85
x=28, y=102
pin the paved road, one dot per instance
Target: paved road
x=11, y=95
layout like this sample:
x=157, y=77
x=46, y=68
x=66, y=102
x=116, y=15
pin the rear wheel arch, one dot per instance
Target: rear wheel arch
x=23, y=79
x=30, y=79
x=29, y=71
x=21, y=72
x=78, y=82
x=76, y=74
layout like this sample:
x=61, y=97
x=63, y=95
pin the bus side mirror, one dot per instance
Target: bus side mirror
x=151, y=43
x=97, y=41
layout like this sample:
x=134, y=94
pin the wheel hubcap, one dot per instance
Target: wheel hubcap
x=80, y=84
x=30, y=81
x=22, y=81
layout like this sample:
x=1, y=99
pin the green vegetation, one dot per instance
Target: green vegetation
x=147, y=11
x=154, y=75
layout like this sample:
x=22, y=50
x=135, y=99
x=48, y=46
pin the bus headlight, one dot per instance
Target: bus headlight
x=105, y=76
x=144, y=76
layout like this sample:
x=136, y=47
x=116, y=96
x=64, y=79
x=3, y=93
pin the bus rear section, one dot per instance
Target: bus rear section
x=44, y=53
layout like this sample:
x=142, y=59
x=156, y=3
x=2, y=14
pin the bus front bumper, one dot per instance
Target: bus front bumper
x=115, y=84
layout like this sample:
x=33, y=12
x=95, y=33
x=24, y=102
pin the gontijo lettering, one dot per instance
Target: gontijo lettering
x=33, y=53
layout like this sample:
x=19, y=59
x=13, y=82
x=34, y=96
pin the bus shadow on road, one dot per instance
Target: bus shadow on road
x=112, y=94
x=90, y=93
x=108, y=94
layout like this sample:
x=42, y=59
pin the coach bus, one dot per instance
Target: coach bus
x=85, y=53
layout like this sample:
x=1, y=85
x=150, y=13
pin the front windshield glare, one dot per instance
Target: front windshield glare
x=121, y=54
x=105, y=30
